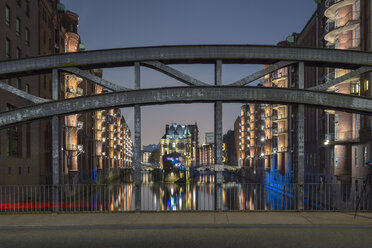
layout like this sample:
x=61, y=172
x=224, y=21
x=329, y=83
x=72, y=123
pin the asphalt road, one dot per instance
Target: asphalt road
x=189, y=236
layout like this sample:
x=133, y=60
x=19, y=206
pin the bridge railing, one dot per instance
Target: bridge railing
x=183, y=197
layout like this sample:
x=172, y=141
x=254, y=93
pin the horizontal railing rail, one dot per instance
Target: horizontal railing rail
x=199, y=196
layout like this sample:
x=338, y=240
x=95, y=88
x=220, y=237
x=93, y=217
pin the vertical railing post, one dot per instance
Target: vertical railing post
x=300, y=144
x=56, y=144
x=137, y=141
x=218, y=138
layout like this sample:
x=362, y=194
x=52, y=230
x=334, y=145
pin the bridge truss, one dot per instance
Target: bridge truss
x=160, y=59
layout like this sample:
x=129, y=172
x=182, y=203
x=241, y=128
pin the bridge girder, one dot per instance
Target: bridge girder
x=89, y=76
x=229, y=54
x=187, y=94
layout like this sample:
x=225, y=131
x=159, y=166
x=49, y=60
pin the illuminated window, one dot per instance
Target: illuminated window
x=355, y=88
x=366, y=85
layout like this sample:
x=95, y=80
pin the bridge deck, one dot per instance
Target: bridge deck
x=184, y=219
x=210, y=229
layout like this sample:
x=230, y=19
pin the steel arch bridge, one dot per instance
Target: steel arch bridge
x=159, y=58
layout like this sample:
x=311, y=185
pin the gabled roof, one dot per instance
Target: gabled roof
x=176, y=131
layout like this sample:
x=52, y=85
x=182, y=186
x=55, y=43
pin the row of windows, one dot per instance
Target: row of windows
x=8, y=11
x=14, y=138
x=18, y=31
x=8, y=50
x=19, y=170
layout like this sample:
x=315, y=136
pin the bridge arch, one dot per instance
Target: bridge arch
x=200, y=94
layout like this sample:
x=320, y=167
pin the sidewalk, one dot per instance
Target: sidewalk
x=192, y=219
x=192, y=229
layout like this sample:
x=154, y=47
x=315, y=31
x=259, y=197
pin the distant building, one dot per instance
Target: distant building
x=206, y=154
x=146, y=156
x=229, y=149
x=209, y=138
x=206, y=150
x=113, y=140
x=181, y=139
x=236, y=141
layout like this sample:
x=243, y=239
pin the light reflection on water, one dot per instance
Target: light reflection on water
x=197, y=196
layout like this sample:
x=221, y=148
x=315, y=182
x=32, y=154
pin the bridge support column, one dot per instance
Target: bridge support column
x=137, y=141
x=218, y=138
x=299, y=156
x=56, y=143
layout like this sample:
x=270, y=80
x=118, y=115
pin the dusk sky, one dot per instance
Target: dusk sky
x=125, y=23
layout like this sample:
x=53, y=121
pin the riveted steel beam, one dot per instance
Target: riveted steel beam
x=22, y=94
x=100, y=81
x=184, y=78
x=257, y=75
x=233, y=54
x=345, y=77
x=188, y=94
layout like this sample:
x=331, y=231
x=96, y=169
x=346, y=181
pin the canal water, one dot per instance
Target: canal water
x=199, y=195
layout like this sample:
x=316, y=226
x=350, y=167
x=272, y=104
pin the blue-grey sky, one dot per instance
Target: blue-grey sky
x=130, y=23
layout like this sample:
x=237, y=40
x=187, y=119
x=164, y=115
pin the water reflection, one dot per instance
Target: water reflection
x=200, y=196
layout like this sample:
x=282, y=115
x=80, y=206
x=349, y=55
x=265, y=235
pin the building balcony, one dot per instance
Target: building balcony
x=71, y=147
x=72, y=92
x=278, y=77
x=344, y=24
x=278, y=118
x=70, y=123
x=351, y=44
x=333, y=5
x=348, y=137
x=279, y=131
x=79, y=91
x=282, y=149
x=98, y=115
x=278, y=106
x=98, y=135
x=74, y=147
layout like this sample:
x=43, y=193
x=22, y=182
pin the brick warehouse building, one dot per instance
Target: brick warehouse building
x=337, y=144
x=33, y=28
